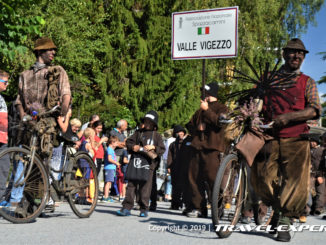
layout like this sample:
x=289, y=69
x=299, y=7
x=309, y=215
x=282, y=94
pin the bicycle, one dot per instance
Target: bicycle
x=230, y=189
x=28, y=188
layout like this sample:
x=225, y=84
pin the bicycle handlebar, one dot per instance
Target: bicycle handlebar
x=28, y=118
x=54, y=109
x=264, y=126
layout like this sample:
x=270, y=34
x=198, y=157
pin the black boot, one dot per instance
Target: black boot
x=274, y=222
x=284, y=236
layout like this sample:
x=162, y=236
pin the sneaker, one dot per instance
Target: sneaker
x=196, y=214
x=107, y=199
x=318, y=211
x=193, y=214
x=245, y=220
x=5, y=204
x=167, y=198
x=152, y=208
x=283, y=236
x=115, y=198
x=123, y=212
x=49, y=208
x=303, y=219
x=143, y=214
x=186, y=211
x=89, y=201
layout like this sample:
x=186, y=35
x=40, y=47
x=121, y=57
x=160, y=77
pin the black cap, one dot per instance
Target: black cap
x=296, y=43
x=211, y=89
x=153, y=116
x=177, y=129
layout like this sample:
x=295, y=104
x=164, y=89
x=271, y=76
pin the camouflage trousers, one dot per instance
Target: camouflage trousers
x=281, y=174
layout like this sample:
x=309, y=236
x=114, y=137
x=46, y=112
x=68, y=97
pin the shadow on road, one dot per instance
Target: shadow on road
x=52, y=215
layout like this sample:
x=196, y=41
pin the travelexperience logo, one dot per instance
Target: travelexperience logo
x=268, y=228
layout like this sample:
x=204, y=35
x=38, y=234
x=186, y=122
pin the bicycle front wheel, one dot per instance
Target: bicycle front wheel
x=26, y=187
x=82, y=185
x=228, y=195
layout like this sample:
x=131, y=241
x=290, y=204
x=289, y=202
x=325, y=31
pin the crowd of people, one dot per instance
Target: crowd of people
x=193, y=157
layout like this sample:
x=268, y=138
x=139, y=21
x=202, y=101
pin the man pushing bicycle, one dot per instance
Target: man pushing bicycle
x=280, y=173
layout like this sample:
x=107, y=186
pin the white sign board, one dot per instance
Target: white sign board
x=205, y=34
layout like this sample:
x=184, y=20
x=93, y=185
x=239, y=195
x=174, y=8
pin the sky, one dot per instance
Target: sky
x=315, y=41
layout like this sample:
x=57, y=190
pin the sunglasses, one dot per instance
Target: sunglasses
x=3, y=81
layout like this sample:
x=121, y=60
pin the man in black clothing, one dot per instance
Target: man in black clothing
x=174, y=164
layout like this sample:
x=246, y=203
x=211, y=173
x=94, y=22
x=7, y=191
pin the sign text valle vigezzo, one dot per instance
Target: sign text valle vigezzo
x=205, y=34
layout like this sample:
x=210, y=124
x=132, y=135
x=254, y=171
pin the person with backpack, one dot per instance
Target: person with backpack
x=146, y=147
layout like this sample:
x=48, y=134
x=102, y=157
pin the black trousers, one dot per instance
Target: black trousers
x=177, y=188
x=154, y=190
x=99, y=162
x=143, y=190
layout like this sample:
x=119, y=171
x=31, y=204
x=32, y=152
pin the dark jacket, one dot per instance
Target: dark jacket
x=142, y=138
x=174, y=150
x=212, y=138
x=178, y=158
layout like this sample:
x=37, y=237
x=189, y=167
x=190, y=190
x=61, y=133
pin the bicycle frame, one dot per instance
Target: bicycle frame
x=32, y=149
x=68, y=155
x=242, y=167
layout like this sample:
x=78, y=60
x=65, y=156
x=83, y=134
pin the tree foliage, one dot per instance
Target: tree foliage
x=323, y=78
x=16, y=31
x=118, y=53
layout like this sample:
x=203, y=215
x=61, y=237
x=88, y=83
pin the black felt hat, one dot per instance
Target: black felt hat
x=211, y=89
x=153, y=116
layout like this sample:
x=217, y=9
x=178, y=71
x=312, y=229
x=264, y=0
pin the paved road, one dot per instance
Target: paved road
x=104, y=227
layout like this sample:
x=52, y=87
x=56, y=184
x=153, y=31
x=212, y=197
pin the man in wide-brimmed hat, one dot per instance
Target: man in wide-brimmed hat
x=34, y=83
x=41, y=88
x=280, y=173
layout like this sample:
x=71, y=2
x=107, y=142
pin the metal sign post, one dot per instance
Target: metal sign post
x=203, y=79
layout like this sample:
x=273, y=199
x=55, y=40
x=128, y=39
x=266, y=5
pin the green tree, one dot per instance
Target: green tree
x=323, y=78
x=117, y=53
x=15, y=31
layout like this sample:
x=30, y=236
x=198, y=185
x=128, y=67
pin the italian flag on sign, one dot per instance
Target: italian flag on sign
x=203, y=30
